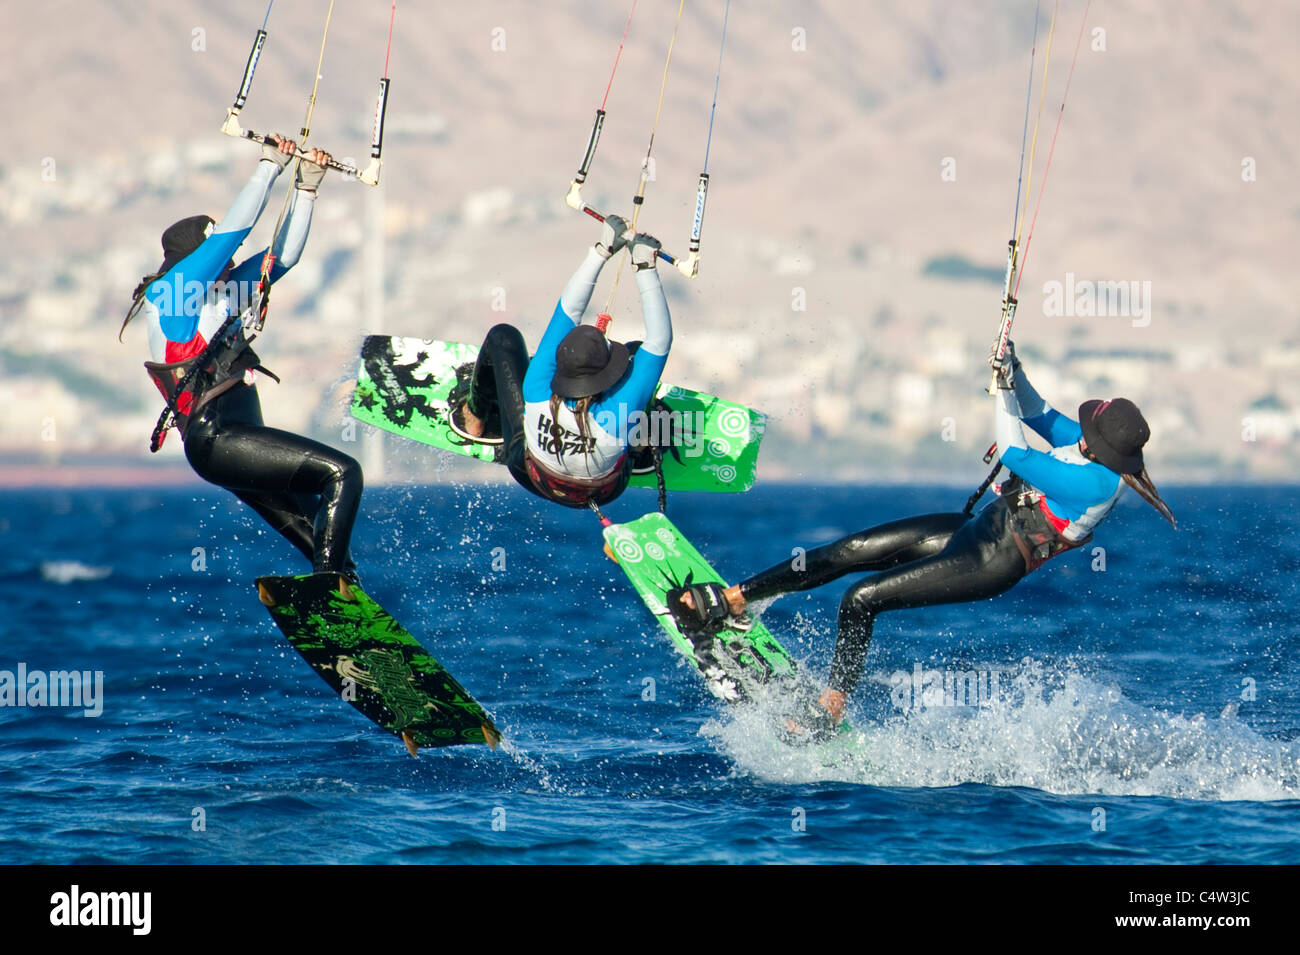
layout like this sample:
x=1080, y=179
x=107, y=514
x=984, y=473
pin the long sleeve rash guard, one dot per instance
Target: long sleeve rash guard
x=610, y=418
x=185, y=307
x=1077, y=494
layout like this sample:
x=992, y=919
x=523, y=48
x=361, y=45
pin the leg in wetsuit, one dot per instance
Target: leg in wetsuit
x=923, y=561
x=498, y=384
x=308, y=492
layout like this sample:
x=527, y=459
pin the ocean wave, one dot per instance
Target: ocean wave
x=71, y=571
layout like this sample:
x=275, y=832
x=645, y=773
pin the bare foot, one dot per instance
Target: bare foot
x=473, y=423
x=833, y=701
x=735, y=600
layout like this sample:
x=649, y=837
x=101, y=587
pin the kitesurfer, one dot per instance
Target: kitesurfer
x=567, y=417
x=203, y=364
x=1052, y=503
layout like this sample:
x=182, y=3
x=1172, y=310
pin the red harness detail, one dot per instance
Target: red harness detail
x=574, y=491
x=1059, y=523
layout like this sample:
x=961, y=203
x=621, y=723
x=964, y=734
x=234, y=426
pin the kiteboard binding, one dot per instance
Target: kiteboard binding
x=456, y=422
x=740, y=660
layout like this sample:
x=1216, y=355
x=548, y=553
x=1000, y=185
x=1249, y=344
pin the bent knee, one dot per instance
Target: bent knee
x=351, y=473
x=860, y=599
x=345, y=472
x=503, y=335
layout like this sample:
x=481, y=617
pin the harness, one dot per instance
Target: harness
x=592, y=492
x=188, y=386
x=1031, y=524
x=574, y=491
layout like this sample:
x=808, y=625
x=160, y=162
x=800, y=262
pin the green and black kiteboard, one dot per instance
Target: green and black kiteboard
x=737, y=664
x=409, y=385
x=371, y=661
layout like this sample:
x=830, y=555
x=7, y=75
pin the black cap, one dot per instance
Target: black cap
x=1115, y=432
x=181, y=238
x=587, y=364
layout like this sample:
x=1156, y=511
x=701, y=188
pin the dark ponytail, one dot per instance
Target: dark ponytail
x=580, y=408
x=1141, y=483
x=137, y=300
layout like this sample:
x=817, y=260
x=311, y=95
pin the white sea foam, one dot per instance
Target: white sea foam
x=1054, y=729
x=68, y=571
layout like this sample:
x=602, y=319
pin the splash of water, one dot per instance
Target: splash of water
x=1053, y=728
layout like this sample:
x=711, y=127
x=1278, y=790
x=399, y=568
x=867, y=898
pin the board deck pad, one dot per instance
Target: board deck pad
x=373, y=662
x=735, y=664
x=408, y=386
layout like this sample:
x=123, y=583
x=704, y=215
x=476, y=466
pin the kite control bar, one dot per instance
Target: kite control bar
x=299, y=153
x=690, y=266
x=231, y=127
x=575, y=201
x=629, y=234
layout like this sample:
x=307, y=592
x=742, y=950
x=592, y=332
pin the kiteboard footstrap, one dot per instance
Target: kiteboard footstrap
x=710, y=612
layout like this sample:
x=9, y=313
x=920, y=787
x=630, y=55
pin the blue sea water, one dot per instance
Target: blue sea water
x=1146, y=706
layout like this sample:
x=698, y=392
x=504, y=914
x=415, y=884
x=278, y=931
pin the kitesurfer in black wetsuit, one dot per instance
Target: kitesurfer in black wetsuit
x=194, y=309
x=1051, y=504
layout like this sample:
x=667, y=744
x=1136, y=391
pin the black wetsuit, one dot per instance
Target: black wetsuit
x=307, y=491
x=497, y=393
x=922, y=561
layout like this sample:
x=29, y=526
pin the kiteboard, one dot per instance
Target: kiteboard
x=371, y=661
x=739, y=663
x=409, y=386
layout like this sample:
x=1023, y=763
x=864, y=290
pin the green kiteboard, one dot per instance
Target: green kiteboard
x=374, y=663
x=408, y=385
x=737, y=665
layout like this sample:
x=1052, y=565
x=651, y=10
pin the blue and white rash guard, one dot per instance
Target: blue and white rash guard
x=612, y=417
x=187, y=305
x=1076, y=494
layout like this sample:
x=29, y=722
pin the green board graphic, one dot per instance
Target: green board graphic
x=373, y=662
x=406, y=385
x=656, y=558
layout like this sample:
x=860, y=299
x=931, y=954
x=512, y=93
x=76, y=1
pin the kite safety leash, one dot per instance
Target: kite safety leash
x=988, y=481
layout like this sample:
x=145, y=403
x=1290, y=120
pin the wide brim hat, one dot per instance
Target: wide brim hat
x=1115, y=432
x=181, y=238
x=586, y=363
